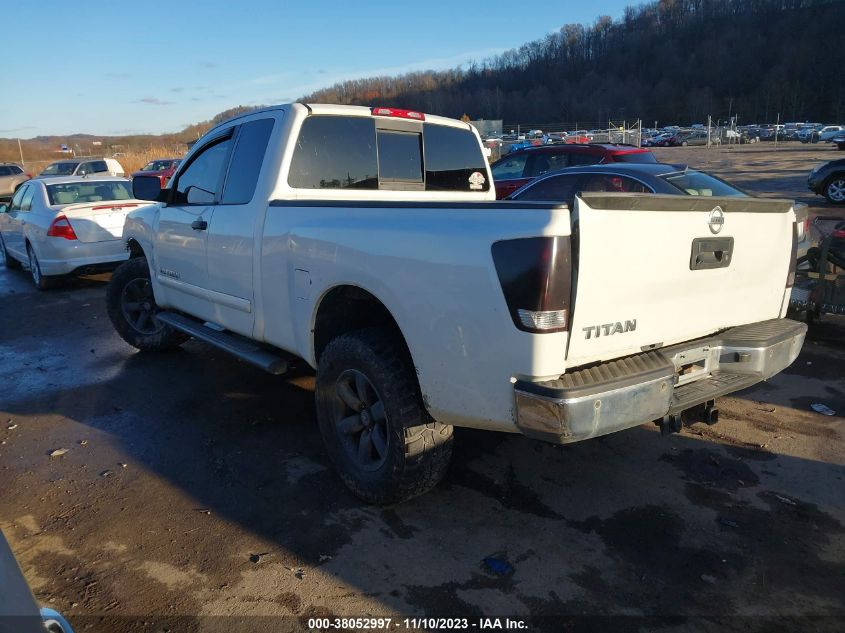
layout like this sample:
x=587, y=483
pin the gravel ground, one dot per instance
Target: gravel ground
x=194, y=485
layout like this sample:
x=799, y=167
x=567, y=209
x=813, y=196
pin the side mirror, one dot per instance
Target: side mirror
x=146, y=188
x=82, y=172
x=3, y=208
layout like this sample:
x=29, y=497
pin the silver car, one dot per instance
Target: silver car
x=64, y=226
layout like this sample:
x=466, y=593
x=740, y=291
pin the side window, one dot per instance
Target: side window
x=5, y=171
x=335, y=152
x=15, y=204
x=544, y=162
x=584, y=158
x=538, y=164
x=558, y=161
x=99, y=165
x=26, y=203
x=84, y=168
x=613, y=183
x=510, y=168
x=246, y=161
x=452, y=159
x=201, y=181
x=552, y=189
x=16, y=170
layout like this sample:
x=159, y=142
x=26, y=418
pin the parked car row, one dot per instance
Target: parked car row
x=681, y=138
x=13, y=175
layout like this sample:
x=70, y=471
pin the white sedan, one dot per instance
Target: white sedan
x=65, y=226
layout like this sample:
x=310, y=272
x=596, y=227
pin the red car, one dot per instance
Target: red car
x=164, y=168
x=520, y=167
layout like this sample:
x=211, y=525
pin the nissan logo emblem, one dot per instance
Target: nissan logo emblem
x=716, y=220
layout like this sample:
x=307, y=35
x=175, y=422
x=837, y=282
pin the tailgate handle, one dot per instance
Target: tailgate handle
x=711, y=252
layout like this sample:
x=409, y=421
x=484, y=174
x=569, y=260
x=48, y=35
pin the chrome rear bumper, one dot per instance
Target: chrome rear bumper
x=630, y=391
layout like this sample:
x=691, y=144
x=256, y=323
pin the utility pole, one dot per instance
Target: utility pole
x=776, y=130
x=709, y=124
x=21, y=152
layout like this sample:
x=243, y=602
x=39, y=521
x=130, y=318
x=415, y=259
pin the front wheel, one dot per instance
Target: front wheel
x=132, y=308
x=8, y=260
x=834, y=190
x=382, y=441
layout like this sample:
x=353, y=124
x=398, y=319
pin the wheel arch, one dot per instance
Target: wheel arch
x=344, y=308
x=135, y=249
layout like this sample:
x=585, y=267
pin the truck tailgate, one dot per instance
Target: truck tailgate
x=653, y=270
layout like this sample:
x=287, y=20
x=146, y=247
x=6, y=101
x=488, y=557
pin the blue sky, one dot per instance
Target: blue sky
x=152, y=67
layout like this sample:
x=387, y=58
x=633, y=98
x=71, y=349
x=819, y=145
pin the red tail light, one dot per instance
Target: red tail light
x=536, y=278
x=60, y=227
x=397, y=112
x=838, y=233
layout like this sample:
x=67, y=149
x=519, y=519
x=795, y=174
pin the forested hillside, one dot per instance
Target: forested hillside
x=675, y=61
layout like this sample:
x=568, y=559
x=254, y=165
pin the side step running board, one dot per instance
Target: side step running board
x=236, y=345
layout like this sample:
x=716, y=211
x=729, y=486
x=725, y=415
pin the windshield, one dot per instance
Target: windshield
x=59, y=169
x=157, y=165
x=698, y=183
x=80, y=192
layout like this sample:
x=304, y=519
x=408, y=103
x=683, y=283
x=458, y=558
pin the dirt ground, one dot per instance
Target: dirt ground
x=194, y=487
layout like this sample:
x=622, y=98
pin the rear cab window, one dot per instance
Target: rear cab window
x=349, y=152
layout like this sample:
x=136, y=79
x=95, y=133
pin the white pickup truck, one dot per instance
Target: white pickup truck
x=369, y=243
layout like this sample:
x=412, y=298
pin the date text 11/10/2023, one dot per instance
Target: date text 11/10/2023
x=428, y=624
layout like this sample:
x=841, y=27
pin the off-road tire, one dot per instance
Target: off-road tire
x=418, y=448
x=41, y=281
x=839, y=181
x=164, y=337
x=8, y=260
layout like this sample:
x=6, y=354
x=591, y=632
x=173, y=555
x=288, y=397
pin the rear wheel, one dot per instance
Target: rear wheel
x=41, y=281
x=834, y=189
x=132, y=308
x=8, y=260
x=383, y=443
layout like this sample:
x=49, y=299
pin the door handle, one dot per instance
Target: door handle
x=711, y=252
x=199, y=225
